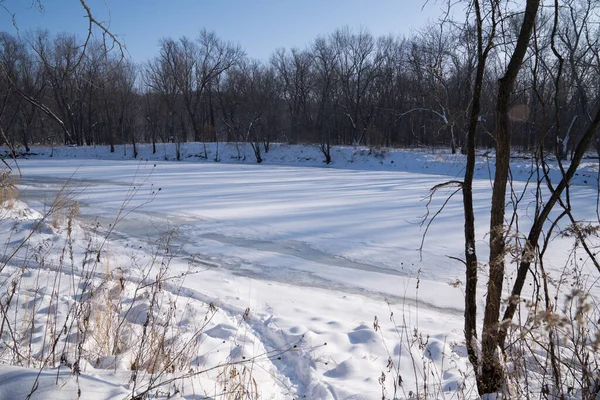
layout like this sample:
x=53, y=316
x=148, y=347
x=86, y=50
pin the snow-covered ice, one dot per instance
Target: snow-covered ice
x=314, y=271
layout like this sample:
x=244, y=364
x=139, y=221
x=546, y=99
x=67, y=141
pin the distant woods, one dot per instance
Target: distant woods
x=345, y=88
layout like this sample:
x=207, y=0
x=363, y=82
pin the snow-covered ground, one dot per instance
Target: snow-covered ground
x=308, y=276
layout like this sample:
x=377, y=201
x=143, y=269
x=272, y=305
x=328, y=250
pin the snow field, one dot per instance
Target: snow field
x=283, y=269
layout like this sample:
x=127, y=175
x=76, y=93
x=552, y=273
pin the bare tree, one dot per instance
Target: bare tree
x=59, y=58
x=185, y=71
x=215, y=58
x=432, y=54
x=11, y=59
x=294, y=71
x=248, y=102
x=160, y=77
x=33, y=84
x=326, y=78
x=489, y=362
x=484, y=46
x=358, y=63
x=492, y=371
x=74, y=55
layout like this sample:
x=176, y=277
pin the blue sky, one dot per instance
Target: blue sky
x=258, y=26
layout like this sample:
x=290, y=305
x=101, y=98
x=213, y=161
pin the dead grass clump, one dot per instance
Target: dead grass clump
x=554, y=353
x=64, y=210
x=8, y=189
x=237, y=383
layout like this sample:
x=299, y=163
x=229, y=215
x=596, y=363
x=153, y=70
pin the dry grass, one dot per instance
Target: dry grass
x=125, y=312
x=236, y=383
x=65, y=209
x=8, y=189
x=553, y=353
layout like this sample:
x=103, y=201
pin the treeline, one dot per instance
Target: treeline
x=345, y=88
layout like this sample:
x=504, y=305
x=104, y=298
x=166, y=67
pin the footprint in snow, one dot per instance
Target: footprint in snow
x=362, y=334
x=344, y=370
x=221, y=331
x=436, y=350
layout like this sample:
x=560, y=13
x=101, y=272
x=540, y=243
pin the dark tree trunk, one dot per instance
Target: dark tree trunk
x=470, y=245
x=492, y=370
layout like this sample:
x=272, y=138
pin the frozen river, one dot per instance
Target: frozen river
x=309, y=252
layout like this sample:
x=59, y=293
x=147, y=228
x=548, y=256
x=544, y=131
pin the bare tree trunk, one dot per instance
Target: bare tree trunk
x=470, y=247
x=492, y=371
